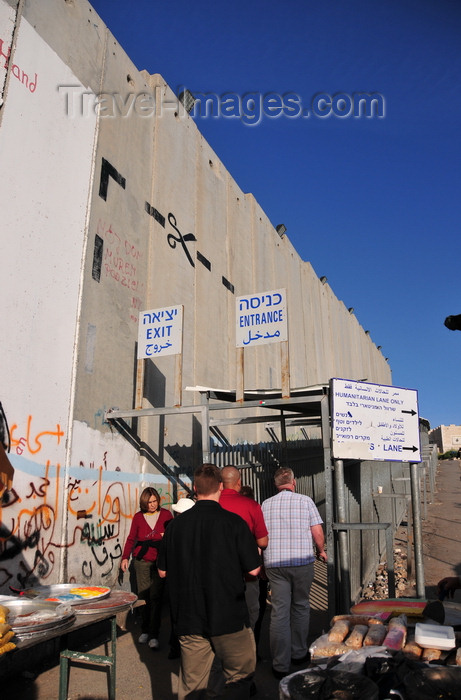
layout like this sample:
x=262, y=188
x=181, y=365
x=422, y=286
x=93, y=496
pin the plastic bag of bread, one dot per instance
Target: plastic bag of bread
x=339, y=631
x=396, y=633
x=356, y=637
x=431, y=655
x=322, y=648
x=375, y=636
x=412, y=650
x=359, y=619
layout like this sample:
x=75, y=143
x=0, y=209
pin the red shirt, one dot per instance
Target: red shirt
x=247, y=508
x=140, y=531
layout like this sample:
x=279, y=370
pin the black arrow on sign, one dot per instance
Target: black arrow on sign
x=412, y=413
x=413, y=449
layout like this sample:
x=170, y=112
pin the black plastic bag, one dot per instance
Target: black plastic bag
x=331, y=684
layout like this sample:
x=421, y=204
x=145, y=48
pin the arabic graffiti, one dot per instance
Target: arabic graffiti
x=47, y=516
x=32, y=442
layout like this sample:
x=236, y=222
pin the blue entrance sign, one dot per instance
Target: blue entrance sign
x=261, y=318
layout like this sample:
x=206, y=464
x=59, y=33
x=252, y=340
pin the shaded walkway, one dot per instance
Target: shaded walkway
x=442, y=528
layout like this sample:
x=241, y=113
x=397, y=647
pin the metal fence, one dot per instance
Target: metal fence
x=375, y=493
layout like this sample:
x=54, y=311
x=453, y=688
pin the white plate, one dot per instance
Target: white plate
x=435, y=636
x=37, y=615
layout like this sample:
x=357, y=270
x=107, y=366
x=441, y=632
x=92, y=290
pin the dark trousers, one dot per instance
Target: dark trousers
x=150, y=588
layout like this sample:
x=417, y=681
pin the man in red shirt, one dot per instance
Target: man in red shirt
x=231, y=499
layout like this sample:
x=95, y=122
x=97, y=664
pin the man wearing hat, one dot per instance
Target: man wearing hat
x=182, y=505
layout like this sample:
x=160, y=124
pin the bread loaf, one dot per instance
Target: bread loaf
x=357, y=620
x=395, y=639
x=412, y=650
x=356, y=637
x=328, y=649
x=375, y=635
x=431, y=654
x=339, y=631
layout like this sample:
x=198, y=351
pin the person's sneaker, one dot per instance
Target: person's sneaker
x=153, y=643
x=143, y=639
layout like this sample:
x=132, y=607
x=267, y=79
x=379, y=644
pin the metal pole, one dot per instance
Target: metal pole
x=390, y=560
x=417, y=529
x=283, y=430
x=342, y=536
x=329, y=503
x=240, y=375
x=205, y=400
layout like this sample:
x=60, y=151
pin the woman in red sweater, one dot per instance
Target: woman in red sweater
x=146, y=532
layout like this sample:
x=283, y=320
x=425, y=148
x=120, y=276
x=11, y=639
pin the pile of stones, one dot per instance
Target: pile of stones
x=379, y=589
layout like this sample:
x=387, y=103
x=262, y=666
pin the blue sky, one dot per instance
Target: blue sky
x=374, y=204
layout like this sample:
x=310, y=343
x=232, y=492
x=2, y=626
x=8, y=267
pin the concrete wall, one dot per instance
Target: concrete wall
x=95, y=210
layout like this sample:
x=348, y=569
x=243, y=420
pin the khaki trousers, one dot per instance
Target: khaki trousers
x=237, y=652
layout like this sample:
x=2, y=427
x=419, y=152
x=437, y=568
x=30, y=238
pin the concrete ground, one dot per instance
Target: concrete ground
x=442, y=529
x=143, y=674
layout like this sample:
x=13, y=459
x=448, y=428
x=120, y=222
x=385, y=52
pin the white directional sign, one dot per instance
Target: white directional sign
x=160, y=332
x=374, y=422
x=261, y=318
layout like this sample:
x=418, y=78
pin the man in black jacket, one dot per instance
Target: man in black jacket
x=206, y=553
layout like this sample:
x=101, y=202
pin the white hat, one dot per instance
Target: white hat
x=183, y=504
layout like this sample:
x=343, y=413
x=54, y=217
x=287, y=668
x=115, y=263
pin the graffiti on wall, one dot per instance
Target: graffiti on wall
x=20, y=74
x=175, y=238
x=119, y=259
x=81, y=517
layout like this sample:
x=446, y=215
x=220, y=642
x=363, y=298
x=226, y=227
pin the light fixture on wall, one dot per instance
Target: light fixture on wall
x=281, y=230
x=351, y=309
x=324, y=279
x=187, y=100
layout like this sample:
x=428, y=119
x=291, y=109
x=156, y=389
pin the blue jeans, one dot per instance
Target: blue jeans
x=289, y=626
